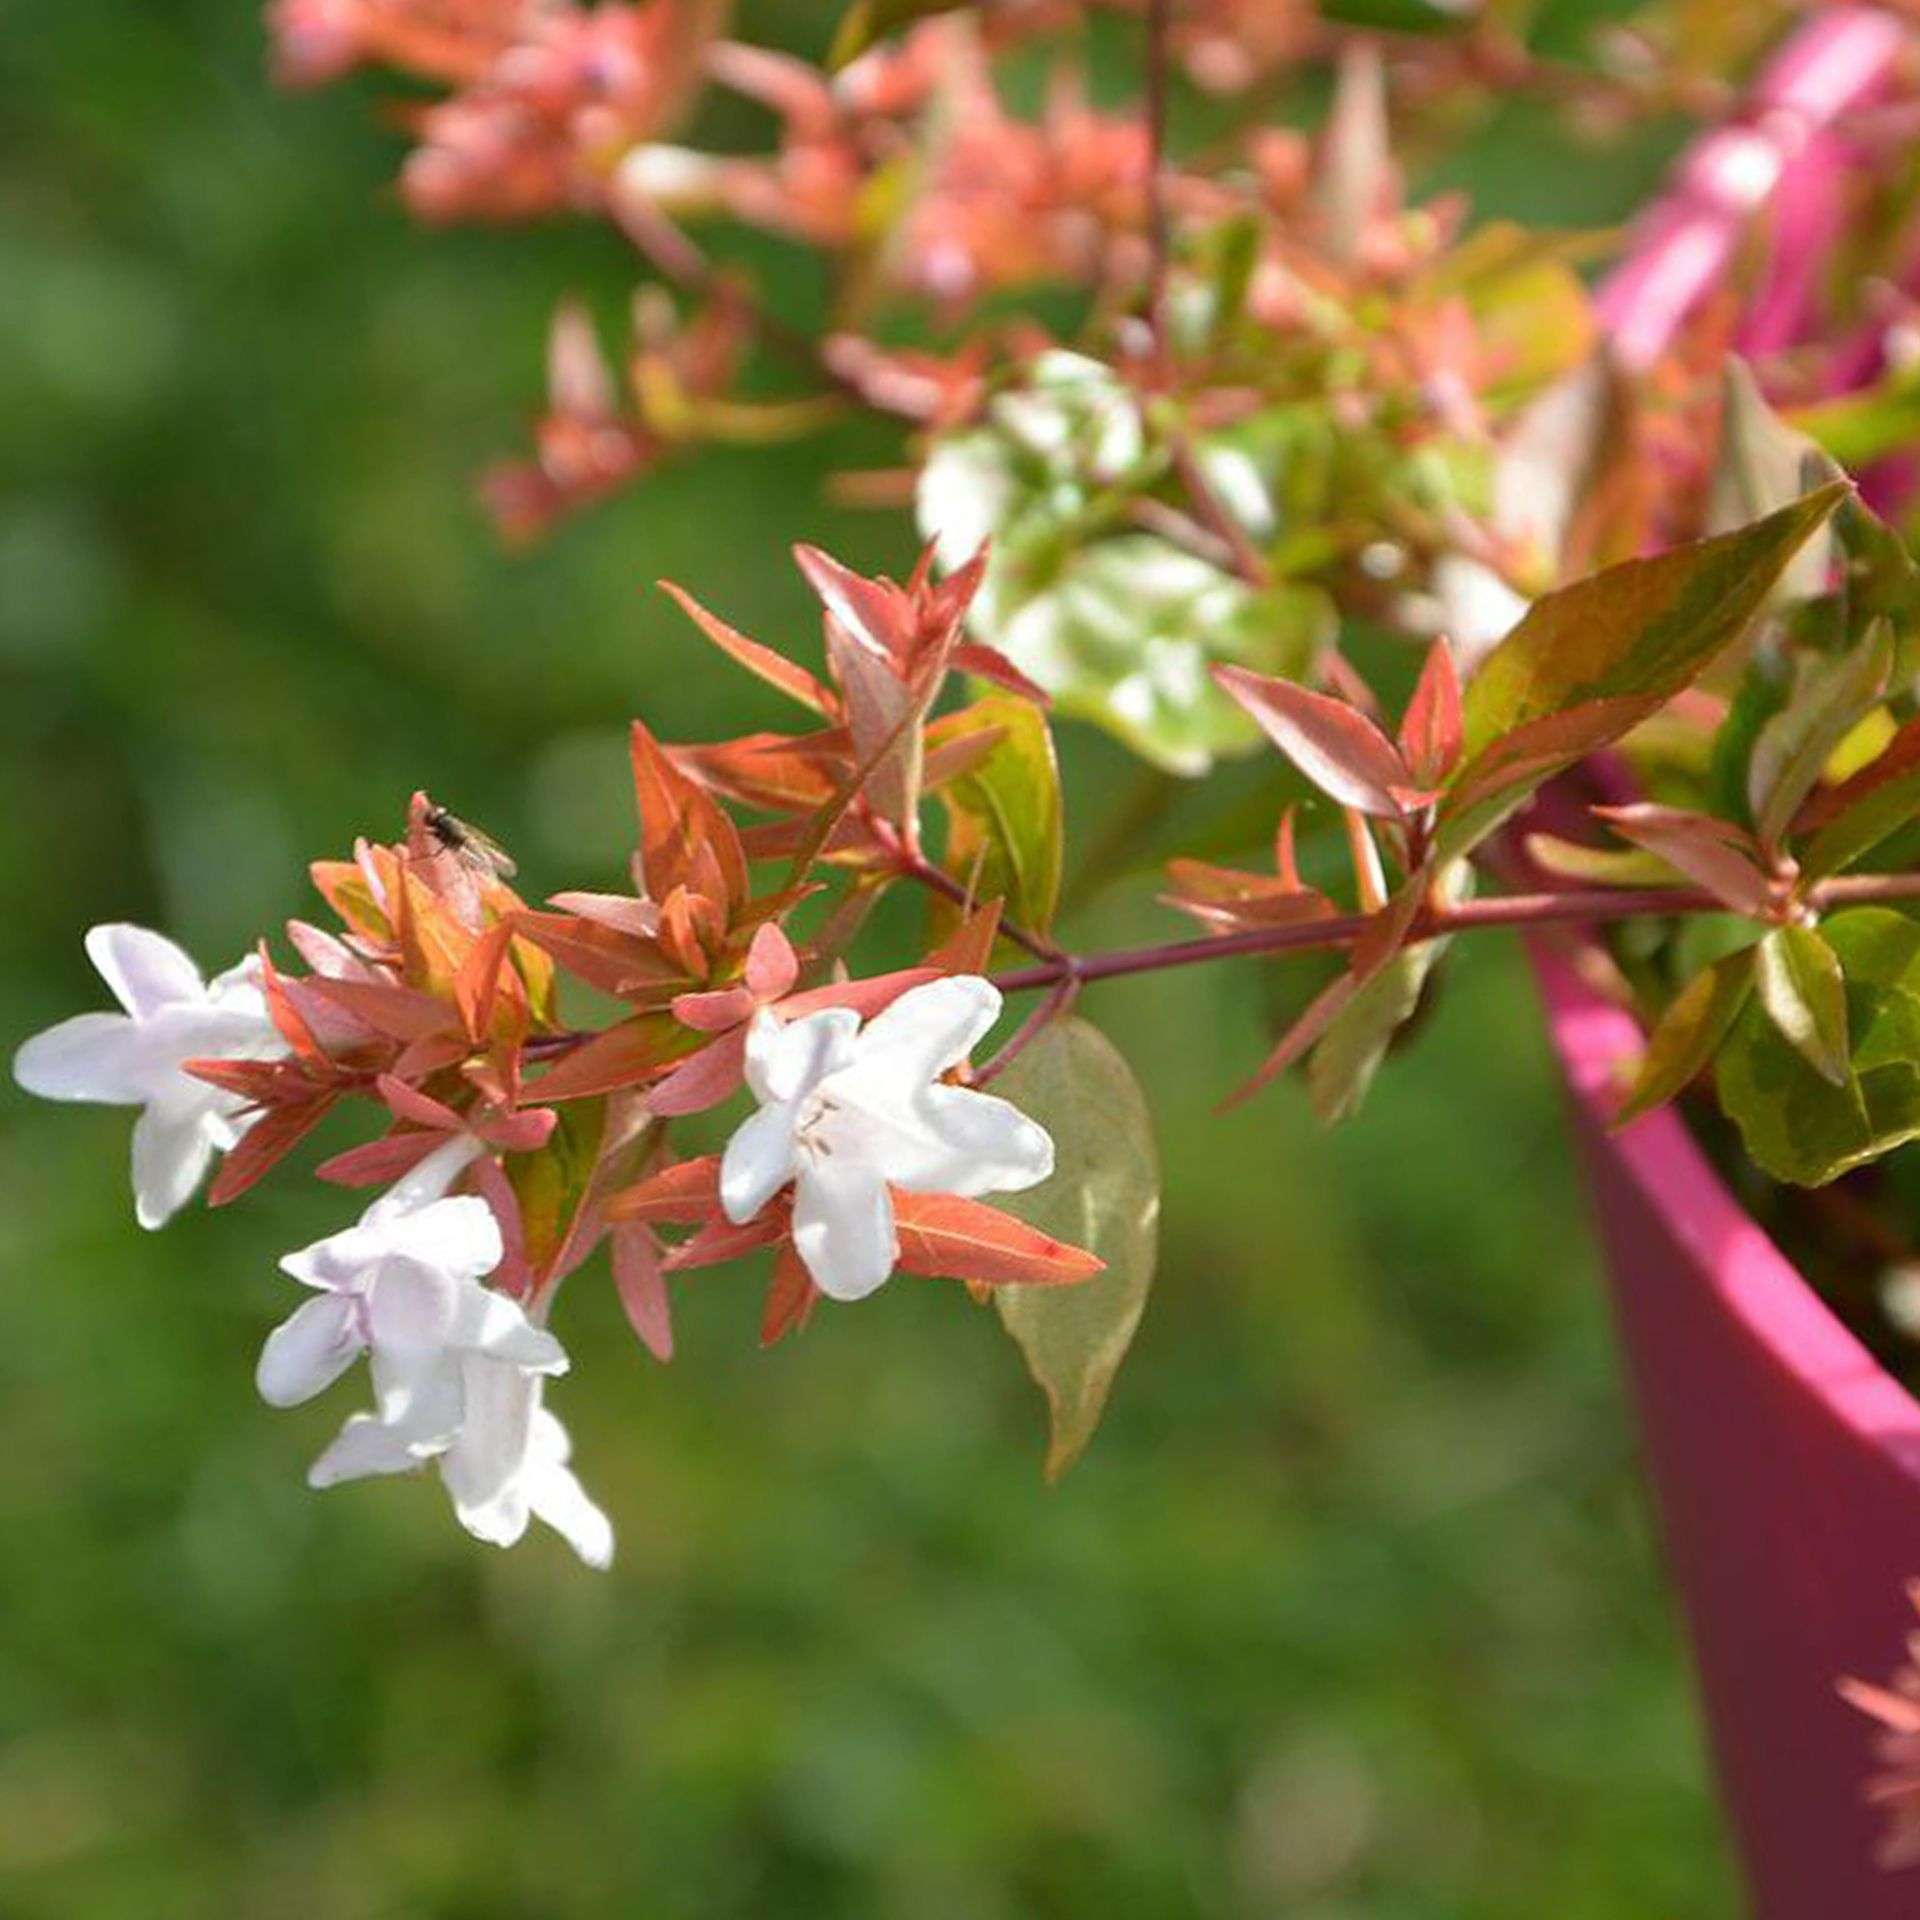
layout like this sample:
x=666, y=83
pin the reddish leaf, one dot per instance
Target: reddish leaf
x=774, y=668
x=989, y=663
x=623, y=1056
x=476, y=986
x=263, y=1083
x=409, y=1103
x=969, y=947
x=944, y=1236
x=642, y=1288
x=621, y=964
x=618, y=912
x=702, y=1081
x=1430, y=731
x=772, y=965
x=682, y=828
x=875, y=614
x=399, y=1013
x=790, y=1301
x=1714, y=854
x=778, y=772
x=380, y=1162
x=684, y=1194
x=721, y=1240
x=266, y=1143
x=1336, y=746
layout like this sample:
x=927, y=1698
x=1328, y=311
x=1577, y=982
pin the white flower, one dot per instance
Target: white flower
x=847, y=1111
x=134, y=1058
x=458, y=1368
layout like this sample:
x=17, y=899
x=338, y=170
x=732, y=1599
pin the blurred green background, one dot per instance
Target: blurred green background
x=1353, y=1610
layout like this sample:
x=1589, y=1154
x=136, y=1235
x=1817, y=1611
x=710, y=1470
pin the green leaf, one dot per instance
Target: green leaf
x=1829, y=697
x=1876, y=803
x=1643, y=629
x=1005, y=832
x=867, y=22
x=1349, y=1053
x=551, y=1183
x=1402, y=16
x=1689, y=1033
x=1796, y=1124
x=1798, y=977
x=1105, y=1196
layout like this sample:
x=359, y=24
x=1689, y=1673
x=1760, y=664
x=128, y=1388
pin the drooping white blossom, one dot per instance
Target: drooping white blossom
x=458, y=1368
x=134, y=1058
x=848, y=1111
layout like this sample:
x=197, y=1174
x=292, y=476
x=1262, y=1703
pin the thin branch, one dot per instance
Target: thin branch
x=1579, y=907
x=912, y=865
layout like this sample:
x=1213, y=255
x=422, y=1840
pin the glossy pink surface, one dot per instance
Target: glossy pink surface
x=1787, y=1470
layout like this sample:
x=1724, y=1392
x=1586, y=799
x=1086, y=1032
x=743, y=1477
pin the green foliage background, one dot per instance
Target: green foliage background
x=1353, y=1608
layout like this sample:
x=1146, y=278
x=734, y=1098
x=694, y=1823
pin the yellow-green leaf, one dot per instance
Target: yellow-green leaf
x=1689, y=1033
x=1005, y=831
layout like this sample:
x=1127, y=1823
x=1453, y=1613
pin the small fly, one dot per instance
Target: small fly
x=480, y=851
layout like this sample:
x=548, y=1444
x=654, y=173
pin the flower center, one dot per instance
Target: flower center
x=810, y=1128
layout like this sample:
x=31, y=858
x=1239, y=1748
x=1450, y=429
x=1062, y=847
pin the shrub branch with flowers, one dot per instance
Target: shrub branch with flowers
x=1588, y=612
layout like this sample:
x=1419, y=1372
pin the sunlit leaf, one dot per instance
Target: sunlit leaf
x=1797, y=977
x=1796, y=1124
x=1689, y=1033
x=1105, y=1196
x=1005, y=833
x=1828, y=699
x=1641, y=630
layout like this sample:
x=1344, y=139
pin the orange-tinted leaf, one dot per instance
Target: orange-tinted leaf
x=1714, y=854
x=266, y=1143
x=1430, y=730
x=791, y=1296
x=944, y=1236
x=642, y=1288
x=684, y=1194
x=380, y=1162
x=625, y=1055
x=682, y=827
x=774, y=668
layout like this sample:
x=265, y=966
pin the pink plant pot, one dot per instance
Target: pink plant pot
x=1786, y=1463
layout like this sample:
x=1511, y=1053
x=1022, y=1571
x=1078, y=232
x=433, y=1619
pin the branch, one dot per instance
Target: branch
x=1578, y=907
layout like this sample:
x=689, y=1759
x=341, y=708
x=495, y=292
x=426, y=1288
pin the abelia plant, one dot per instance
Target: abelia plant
x=1525, y=602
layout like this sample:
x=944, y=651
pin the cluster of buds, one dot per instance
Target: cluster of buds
x=515, y=1147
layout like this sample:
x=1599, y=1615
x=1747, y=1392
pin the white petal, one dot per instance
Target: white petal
x=410, y=1306
x=428, y=1181
x=420, y=1392
x=364, y=1446
x=308, y=1351
x=929, y=1029
x=758, y=1162
x=490, y=1323
x=843, y=1227
x=787, y=1060
x=483, y=1467
x=345, y=1261
x=171, y=1153
x=459, y=1237
x=93, y=1056
x=145, y=970
x=556, y=1496
x=992, y=1146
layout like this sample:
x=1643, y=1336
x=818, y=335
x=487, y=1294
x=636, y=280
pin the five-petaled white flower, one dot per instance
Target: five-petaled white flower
x=134, y=1058
x=458, y=1368
x=847, y=1111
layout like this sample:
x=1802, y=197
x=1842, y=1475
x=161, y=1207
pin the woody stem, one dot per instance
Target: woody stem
x=1581, y=907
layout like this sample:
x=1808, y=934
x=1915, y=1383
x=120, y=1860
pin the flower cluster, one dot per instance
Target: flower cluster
x=516, y=1146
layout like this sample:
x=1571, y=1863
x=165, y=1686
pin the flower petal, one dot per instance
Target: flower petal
x=171, y=1154
x=930, y=1028
x=308, y=1351
x=490, y=1323
x=843, y=1227
x=786, y=1060
x=93, y=1056
x=556, y=1496
x=759, y=1161
x=410, y=1307
x=145, y=969
x=459, y=1237
x=483, y=1467
x=994, y=1147
x=362, y=1447
x=419, y=1391
x=427, y=1182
